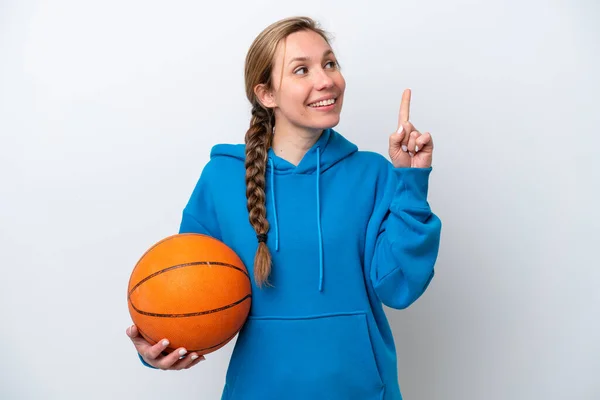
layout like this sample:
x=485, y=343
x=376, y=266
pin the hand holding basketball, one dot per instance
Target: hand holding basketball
x=188, y=293
x=152, y=354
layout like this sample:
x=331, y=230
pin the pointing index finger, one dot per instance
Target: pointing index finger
x=404, y=107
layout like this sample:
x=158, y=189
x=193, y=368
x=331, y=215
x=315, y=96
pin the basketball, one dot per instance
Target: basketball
x=191, y=289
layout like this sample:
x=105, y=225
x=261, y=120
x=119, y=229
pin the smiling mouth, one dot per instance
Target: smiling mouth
x=323, y=103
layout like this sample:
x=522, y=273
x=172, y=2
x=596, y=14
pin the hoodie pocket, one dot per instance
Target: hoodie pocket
x=318, y=357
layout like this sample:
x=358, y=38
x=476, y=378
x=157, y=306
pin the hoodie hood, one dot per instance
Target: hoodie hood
x=329, y=149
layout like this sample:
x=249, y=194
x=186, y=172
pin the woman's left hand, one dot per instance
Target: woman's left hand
x=408, y=146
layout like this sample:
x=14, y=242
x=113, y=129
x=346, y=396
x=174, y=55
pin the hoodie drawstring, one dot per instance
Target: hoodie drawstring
x=274, y=207
x=320, y=232
x=319, y=220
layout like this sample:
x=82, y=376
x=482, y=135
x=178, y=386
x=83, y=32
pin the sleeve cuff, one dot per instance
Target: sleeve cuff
x=412, y=188
x=145, y=363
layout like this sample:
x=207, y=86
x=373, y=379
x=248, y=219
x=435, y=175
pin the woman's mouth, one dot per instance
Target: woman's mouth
x=323, y=104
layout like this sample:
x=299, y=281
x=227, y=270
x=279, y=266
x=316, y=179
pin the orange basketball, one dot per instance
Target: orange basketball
x=191, y=289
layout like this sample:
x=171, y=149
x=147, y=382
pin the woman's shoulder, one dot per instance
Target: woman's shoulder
x=371, y=166
x=225, y=159
x=373, y=156
x=231, y=150
x=227, y=154
x=371, y=160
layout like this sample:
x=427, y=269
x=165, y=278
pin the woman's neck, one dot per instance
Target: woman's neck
x=292, y=144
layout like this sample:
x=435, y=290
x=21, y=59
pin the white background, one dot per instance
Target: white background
x=108, y=110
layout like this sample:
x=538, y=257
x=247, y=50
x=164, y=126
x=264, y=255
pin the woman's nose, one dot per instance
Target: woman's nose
x=323, y=81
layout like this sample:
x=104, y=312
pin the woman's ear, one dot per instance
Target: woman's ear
x=265, y=96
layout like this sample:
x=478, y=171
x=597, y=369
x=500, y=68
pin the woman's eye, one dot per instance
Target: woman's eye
x=328, y=65
x=299, y=69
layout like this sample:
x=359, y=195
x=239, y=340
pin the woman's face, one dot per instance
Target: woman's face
x=307, y=86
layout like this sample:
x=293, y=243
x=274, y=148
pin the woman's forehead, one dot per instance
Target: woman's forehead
x=303, y=46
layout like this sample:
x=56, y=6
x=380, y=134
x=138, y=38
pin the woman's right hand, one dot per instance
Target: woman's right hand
x=152, y=354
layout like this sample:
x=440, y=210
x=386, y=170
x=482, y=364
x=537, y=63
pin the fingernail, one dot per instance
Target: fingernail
x=411, y=153
x=416, y=148
x=399, y=131
x=182, y=352
x=404, y=148
x=194, y=357
x=165, y=342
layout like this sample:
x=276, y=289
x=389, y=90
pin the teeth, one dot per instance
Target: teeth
x=322, y=103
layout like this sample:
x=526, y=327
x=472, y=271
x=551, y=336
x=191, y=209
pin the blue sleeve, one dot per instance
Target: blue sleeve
x=408, y=239
x=145, y=363
x=199, y=213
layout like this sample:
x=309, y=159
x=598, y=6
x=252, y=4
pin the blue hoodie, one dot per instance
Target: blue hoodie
x=348, y=233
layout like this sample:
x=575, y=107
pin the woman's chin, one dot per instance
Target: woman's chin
x=326, y=122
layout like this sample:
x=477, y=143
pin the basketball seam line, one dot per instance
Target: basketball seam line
x=193, y=314
x=195, y=263
x=198, y=350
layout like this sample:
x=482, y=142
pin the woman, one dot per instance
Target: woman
x=333, y=234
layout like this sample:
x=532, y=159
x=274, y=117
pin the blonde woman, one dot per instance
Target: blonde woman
x=329, y=233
